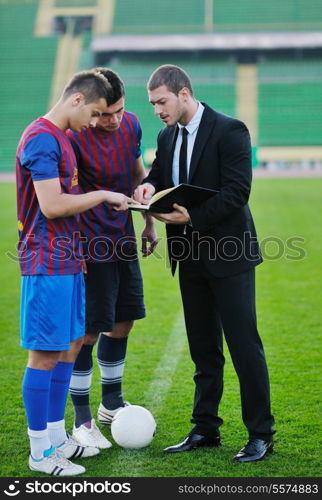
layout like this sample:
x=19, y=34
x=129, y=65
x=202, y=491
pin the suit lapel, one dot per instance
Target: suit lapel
x=205, y=128
x=171, y=143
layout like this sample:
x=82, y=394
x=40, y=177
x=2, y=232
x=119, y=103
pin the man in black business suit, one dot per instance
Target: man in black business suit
x=217, y=249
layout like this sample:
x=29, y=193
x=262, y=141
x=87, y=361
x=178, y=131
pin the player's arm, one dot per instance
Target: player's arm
x=150, y=184
x=139, y=175
x=53, y=203
x=149, y=236
x=139, y=172
x=142, y=192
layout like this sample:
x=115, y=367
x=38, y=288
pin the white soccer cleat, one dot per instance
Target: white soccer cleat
x=73, y=449
x=105, y=416
x=56, y=464
x=90, y=437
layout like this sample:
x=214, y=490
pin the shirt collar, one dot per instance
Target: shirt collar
x=195, y=120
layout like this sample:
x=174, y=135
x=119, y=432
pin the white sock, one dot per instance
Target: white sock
x=57, y=432
x=39, y=442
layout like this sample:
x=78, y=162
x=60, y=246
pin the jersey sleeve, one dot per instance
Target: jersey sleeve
x=41, y=155
x=139, y=137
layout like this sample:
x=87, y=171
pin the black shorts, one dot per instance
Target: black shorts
x=114, y=294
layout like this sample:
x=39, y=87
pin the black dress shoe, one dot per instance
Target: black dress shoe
x=194, y=441
x=255, y=449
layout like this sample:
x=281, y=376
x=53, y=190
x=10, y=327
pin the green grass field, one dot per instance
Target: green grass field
x=158, y=373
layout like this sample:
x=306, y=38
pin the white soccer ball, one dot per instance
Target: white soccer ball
x=133, y=427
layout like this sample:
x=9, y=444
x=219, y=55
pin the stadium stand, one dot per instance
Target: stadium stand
x=272, y=16
x=259, y=61
x=290, y=98
x=195, y=16
x=137, y=17
x=26, y=70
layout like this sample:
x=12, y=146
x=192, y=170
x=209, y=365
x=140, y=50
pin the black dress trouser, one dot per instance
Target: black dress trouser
x=212, y=306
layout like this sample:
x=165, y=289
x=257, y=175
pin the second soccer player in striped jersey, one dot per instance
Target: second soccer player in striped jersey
x=109, y=157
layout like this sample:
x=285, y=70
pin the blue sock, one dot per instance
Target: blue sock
x=59, y=391
x=35, y=393
x=57, y=402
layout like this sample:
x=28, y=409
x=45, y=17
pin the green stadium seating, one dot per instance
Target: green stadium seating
x=26, y=68
x=290, y=103
x=289, y=91
x=273, y=15
x=166, y=16
x=182, y=16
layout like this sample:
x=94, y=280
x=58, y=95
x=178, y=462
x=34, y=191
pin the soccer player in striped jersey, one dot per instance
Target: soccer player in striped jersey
x=50, y=255
x=109, y=157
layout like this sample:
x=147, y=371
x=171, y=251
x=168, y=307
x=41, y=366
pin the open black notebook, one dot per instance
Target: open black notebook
x=184, y=194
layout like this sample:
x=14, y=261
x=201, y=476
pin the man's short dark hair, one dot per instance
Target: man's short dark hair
x=173, y=77
x=116, y=83
x=92, y=84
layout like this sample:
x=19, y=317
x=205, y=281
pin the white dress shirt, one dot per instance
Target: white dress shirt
x=192, y=128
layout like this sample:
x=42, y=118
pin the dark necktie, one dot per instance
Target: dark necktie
x=183, y=177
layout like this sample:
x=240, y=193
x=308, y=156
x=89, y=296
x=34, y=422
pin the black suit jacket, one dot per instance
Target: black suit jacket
x=221, y=159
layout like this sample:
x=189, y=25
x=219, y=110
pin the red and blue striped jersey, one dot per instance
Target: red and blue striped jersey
x=106, y=160
x=46, y=246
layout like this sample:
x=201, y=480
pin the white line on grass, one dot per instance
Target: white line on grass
x=163, y=374
x=161, y=382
